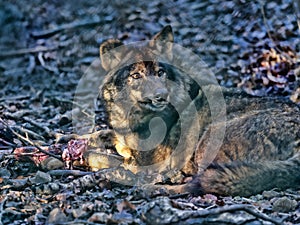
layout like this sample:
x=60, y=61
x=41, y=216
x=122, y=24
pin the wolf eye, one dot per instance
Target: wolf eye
x=161, y=72
x=136, y=76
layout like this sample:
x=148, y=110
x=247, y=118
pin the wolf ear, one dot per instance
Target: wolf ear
x=163, y=41
x=165, y=35
x=109, y=57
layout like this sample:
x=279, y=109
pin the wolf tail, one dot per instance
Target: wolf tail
x=245, y=179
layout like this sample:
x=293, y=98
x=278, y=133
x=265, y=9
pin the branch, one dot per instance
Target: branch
x=29, y=132
x=51, y=32
x=24, y=51
x=30, y=142
x=36, y=146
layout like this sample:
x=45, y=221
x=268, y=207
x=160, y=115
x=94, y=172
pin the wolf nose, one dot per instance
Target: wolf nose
x=161, y=94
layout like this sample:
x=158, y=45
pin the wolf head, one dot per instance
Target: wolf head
x=139, y=70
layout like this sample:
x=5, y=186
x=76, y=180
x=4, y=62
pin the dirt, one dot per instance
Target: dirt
x=47, y=46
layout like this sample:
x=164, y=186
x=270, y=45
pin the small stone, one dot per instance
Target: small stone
x=270, y=194
x=41, y=178
x=295, y=97
x=56, y=216
x=284, y=204
x=257, y=197
x=100, y=217
x=77, y=213
x=52, y=163
x=4, y=173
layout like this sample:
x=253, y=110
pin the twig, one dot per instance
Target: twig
x=29, y=141
x=2, y=209
x=29, y=132
x=44, y=128
x=6, y=150
x=234, y=208
x=46, y=67
x=182, y=195
x=68, y=172
x=31, y=64
x=4, y=54
x=36, y=146
x=83, y=109
x=7, y=143
x=262, y=216
x=297, y=12
x=15, y=98
x=21, y=115
x=17, y=115
x=77, y=221
x=269, y=33
x=51, y=32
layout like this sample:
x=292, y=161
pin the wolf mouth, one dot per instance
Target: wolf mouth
x=153, y=105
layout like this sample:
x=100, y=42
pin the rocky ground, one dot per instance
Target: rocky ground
x=47, y=46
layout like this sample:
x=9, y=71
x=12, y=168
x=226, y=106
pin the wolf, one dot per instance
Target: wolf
x=261, y=142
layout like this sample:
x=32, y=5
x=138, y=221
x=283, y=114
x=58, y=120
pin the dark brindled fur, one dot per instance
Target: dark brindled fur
x=261, y=147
